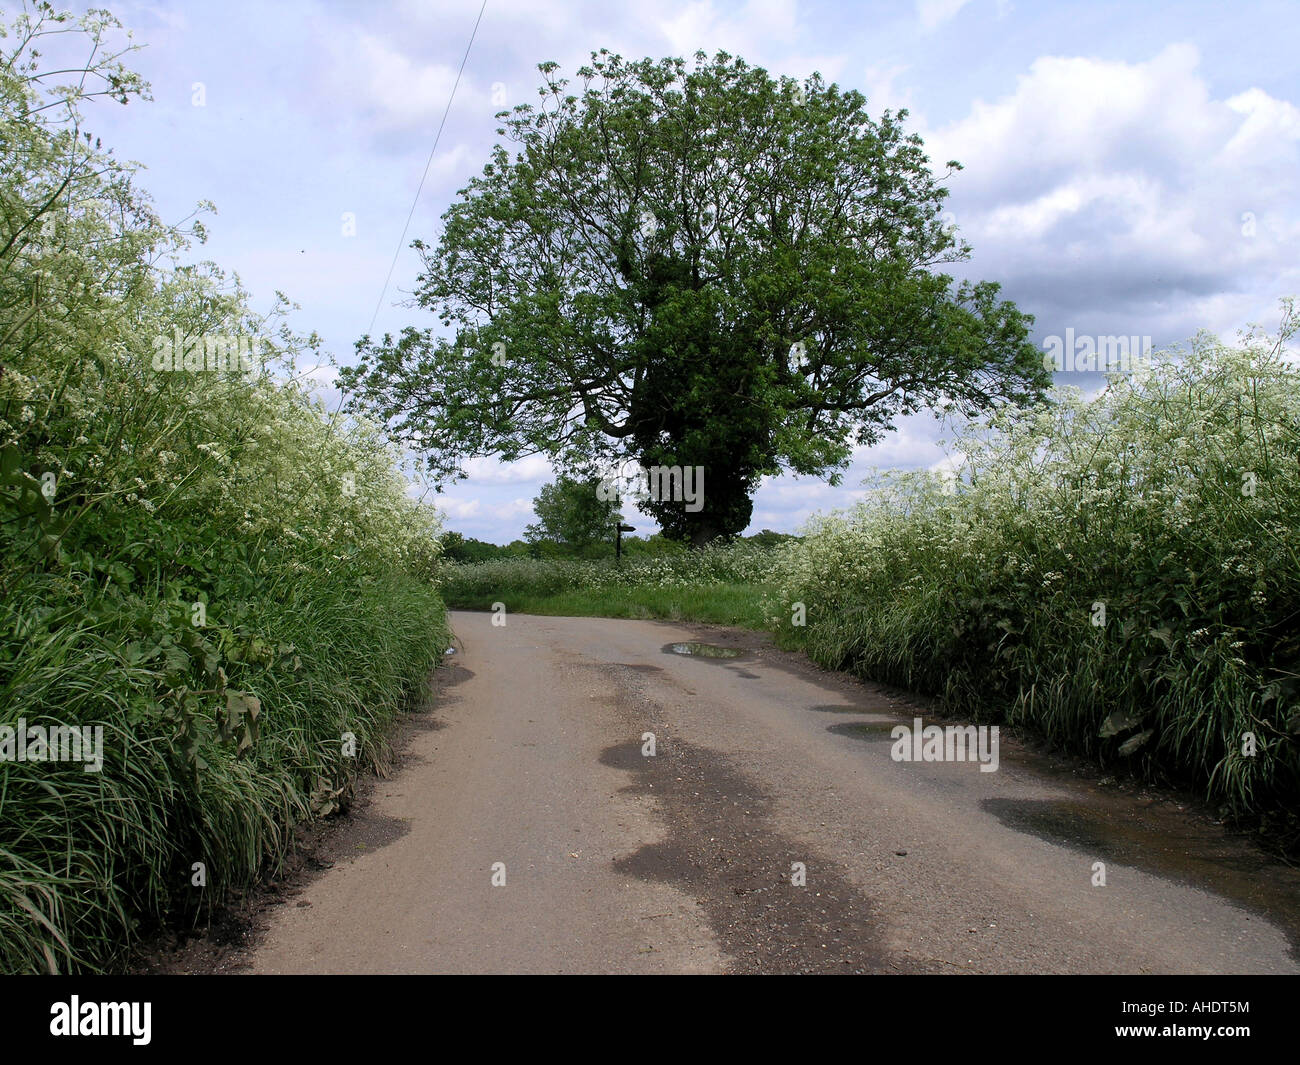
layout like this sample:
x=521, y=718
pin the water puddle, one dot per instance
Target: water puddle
x=1167, y=843
x=870, y=731
x=696, y=649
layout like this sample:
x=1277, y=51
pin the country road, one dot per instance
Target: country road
x=615, y=861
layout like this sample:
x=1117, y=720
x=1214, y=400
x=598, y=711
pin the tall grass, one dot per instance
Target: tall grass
x=232, y=585
x=737, y=563
x=1120, y=574
x=720, y=584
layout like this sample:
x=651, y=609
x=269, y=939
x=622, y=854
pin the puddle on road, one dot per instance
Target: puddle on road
x=1165, y=842
x=870, y=731
x=695, y=649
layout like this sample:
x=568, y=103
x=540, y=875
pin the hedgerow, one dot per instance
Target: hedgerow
x=198, y=560
x=1121, y=574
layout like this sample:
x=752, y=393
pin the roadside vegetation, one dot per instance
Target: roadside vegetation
x=725, y=584
x=236, y=589
x=1120, y=575
x=200, y=562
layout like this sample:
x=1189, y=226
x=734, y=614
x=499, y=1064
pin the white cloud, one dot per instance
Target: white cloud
x=460, y=509
x=934, y=13
x=765, y=32
x=880, y=91
x=399, y=90
x=495, y=521
x=700, y=25
x=947, y=468
x=1114, y=196
x=485, y=471
x=1072, y=113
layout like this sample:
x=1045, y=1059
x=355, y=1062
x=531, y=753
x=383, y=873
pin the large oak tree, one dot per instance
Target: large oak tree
x=693, y=265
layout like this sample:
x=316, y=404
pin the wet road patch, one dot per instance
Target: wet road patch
x=722, y=849
x=870, y=731
x=1166, y=843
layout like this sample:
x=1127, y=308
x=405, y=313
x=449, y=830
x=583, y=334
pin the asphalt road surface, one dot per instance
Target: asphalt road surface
x=529, y=830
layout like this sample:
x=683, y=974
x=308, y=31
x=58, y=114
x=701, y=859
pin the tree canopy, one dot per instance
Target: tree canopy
x=693, y=265
x=571, y=513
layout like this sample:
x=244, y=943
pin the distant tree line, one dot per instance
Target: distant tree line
x=574, y=522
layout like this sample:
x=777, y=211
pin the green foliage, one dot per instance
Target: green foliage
x=739, y=563
x=719, y=604
x=694, y=266
x=1122, y=575
x=656, y=545
x=459, y=548
x=571, y=515
x=199, y=562
x=768, y=538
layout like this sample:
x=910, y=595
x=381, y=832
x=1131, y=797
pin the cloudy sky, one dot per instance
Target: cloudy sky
x=1130, y=168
